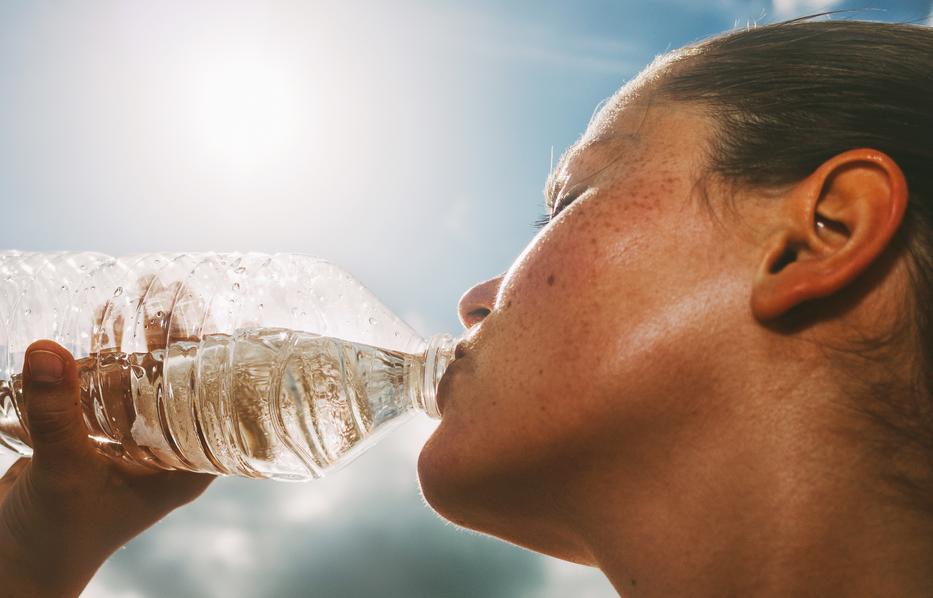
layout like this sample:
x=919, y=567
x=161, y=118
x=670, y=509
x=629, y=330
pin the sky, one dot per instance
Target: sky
x=407, y=142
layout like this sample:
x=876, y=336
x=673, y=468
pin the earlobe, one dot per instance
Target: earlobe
x=831, y=227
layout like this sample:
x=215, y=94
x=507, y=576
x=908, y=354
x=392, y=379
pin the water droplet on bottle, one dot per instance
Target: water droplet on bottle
x=82, y=267
x=372, y=321
x=304, y=313
x=93, y=288
x=28, y=311
x=236, y=286
x=260, y=306
x=118, y=292
x=64, y=287
x=240, y=270
x=159, y=314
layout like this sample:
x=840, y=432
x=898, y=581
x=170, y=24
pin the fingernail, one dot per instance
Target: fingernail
x=45, y=366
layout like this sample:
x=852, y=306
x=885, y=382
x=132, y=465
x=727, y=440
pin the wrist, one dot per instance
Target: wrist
x=29, y=576
x=28, y=569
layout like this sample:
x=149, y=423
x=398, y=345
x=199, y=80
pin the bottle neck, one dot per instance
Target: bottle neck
x=433, y=363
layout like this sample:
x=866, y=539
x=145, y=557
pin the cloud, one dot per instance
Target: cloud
x=98, y=589
x=364, y=532
x=568, y=579
x=786, y=9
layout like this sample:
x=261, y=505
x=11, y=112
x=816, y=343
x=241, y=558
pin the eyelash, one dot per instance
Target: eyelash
x=544, y=219
x=541, y=221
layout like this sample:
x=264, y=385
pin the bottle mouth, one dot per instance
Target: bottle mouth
x=438, y=356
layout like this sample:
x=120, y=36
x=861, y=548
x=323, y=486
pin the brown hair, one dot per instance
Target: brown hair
x=787, y=97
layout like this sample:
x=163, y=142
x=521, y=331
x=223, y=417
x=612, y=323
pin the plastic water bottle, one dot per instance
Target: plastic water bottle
x=267, y=366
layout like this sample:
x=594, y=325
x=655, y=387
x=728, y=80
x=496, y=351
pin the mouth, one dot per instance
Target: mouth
x=445, y=385
x=461, y=361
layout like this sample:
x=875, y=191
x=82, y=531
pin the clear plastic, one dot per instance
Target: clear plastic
x=269, y=366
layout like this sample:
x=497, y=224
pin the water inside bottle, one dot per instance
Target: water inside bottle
x=267, y=403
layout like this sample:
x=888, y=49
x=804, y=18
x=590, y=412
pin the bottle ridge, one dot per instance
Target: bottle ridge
x=266, y=366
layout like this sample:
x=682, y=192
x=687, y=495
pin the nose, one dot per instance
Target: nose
x=476, y=303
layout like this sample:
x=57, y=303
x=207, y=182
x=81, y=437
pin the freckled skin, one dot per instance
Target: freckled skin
x=559, y=368
x=619, y=404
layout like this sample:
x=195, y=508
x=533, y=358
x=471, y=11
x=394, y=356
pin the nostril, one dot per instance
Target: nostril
x=476, y=304
x=478, y=314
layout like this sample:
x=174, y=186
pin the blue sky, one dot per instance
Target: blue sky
x=407, y=141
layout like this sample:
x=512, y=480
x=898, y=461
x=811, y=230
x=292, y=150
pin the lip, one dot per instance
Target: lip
x=444, y=386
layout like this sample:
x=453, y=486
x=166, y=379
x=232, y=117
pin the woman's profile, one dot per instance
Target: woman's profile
x=709, y=374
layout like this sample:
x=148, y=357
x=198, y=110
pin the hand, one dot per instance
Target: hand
x=63, y=512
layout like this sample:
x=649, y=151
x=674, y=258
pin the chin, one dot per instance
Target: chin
x=495, y=504
x=440, y=482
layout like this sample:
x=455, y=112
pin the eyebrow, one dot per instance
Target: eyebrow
x=550, y=187
x=551, y=183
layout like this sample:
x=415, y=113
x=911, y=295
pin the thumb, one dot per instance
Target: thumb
x=52, y=402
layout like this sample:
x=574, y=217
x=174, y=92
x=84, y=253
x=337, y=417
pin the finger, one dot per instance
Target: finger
x=53, y=411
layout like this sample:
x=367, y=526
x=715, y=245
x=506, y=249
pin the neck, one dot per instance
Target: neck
x=764, y=508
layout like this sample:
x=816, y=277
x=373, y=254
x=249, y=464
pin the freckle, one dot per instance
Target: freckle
x=540, y=372
x=508, y=304
x=550, y=280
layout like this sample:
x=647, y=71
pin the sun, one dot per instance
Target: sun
x=248, y=114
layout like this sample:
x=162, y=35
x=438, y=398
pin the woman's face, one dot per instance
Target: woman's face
x=589, y=354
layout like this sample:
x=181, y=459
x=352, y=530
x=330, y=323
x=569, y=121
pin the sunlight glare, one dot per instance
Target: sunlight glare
x=249, y=113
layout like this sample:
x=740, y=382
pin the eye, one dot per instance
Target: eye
x=563, y=202
x=559, y=206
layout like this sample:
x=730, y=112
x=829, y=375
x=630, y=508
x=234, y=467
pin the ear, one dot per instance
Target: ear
x=831, y=227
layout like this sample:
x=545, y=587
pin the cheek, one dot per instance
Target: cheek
x=561, y=305
x=595, y=270
x=623, y=293
x=594, y=336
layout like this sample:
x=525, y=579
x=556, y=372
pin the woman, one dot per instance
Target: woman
x=710, y=374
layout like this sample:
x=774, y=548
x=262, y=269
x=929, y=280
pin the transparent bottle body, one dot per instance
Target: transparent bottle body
x=265, y=366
